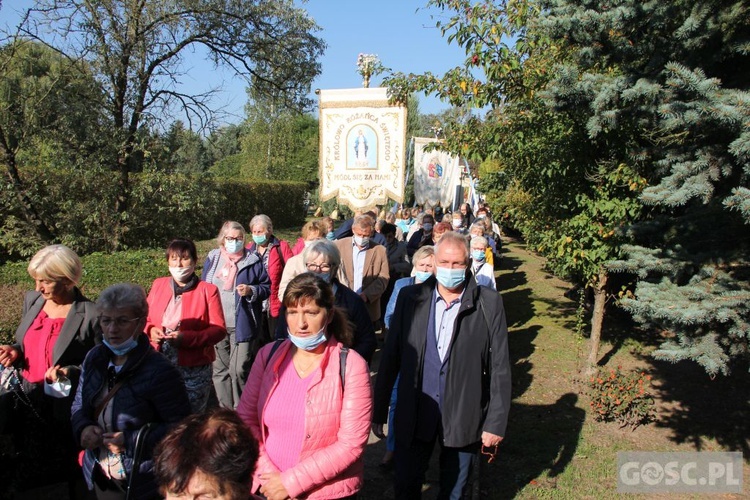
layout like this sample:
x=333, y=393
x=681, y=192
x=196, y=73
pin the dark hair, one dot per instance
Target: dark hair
x=218, y=443
x=310, y=286
x=182, y=247
x=388, y=228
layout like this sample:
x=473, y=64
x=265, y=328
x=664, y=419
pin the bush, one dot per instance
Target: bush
x=621, y=397
x=79, y=205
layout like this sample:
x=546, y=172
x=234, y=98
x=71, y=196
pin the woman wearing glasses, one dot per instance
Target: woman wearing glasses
x=58, y=327
x=243, y=285
x=124, y=386
x=185, y=321
x=323, y=258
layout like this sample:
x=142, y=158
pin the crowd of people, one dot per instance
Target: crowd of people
x=254, y=378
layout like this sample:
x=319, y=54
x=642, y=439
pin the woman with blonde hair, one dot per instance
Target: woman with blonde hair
x=58, y=327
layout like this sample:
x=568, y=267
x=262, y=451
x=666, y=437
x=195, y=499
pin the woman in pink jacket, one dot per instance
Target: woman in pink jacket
x=307, y=401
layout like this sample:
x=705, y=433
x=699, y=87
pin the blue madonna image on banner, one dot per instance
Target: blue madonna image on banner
x=362, y=148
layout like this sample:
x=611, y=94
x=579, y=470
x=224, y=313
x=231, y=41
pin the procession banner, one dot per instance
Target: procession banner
x=436, y=174
x=362, y=147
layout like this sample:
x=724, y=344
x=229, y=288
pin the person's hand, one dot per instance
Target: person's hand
x=174, y=337
x=8, y=355
x=244, y=291
x=272, y=487
x=157, y=335
x=114, y=441
x=489, y=439
x=377, y=429
x=54, y=373
x=91, y=437
x=363, y=297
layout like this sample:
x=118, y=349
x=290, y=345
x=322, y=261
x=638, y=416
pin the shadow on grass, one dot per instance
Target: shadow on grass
x=697, y=408
x=512, y=279
x=541, y=438
x=521, y=347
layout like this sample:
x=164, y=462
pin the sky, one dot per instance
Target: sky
x=401, y=32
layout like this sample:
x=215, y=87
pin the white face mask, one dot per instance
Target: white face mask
x=182, y=274
x=362, y=241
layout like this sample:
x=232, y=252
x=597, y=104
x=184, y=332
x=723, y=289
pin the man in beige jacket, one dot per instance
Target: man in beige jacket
x=365, y=264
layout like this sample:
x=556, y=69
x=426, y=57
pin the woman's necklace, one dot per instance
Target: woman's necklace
x=303, y=371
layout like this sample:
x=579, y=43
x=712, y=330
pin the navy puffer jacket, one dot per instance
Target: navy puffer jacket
x=153, y=392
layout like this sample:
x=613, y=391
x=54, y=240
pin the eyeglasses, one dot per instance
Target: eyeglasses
x=231, y=238
x=490, y=451
x=106, y=322
x=323, y=268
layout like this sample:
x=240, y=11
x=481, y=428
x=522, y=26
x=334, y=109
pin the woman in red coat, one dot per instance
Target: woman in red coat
x=274, y=253
x=185, y=320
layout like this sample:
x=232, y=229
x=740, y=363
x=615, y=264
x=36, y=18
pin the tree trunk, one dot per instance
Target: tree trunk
x=26, y=204
x=597, y=321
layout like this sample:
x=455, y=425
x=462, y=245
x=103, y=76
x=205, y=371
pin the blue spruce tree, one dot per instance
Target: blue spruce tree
x=670, y=81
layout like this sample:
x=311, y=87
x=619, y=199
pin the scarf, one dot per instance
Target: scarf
x=179, y=290
x=230, y=266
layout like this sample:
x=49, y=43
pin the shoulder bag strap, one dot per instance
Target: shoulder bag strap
x=281, y=256
x=108, y=397
x=275, y=346
x=342, y=362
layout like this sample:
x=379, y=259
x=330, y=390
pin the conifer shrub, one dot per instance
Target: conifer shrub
x=622, y=397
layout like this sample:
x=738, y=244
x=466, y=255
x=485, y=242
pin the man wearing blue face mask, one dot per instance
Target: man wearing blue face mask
x=448, y=343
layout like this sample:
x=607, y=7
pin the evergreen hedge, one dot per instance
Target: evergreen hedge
x=80, y=207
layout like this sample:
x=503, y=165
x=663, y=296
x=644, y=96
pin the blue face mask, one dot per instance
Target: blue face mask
x=478, y=255
x=233, y=246
x=122, y=349
x=422, y=276
x=329, y=235
x=324, y=276
x=307, y=343
x=259, y=240
x=450, y=278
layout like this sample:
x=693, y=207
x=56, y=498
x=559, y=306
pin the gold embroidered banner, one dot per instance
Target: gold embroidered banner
x=362, y=147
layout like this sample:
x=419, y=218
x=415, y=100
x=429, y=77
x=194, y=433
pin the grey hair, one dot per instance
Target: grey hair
x=478, y=225
x=325, y=248
x=123, y=296
x=228, y=226
x=364, y=222
x=263, y=220
x=477, y=239
x=454, y=238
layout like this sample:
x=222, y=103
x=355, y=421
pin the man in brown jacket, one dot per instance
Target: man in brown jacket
x=365, y=264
